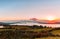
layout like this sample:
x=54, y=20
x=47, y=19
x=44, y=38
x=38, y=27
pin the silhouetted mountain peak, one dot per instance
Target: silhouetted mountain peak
x=33, y=19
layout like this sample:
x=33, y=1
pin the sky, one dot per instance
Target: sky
x=26, y=9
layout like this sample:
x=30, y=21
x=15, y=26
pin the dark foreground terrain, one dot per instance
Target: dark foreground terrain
x=29, y=32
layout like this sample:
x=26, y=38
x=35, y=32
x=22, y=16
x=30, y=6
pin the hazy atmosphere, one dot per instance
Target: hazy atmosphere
x=29, y=19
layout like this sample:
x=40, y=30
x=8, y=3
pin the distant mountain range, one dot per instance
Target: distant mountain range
x=31, y=21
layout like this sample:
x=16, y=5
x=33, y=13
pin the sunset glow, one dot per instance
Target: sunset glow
x=26, y=9
x=50, y=18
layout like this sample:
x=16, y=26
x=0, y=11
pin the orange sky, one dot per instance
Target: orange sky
x=16, y=18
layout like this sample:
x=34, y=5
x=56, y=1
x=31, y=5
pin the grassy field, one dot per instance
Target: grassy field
x=29, y=32
x=56, y=32
x=49, y=38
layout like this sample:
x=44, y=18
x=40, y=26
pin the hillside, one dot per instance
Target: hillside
x=29, y=32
